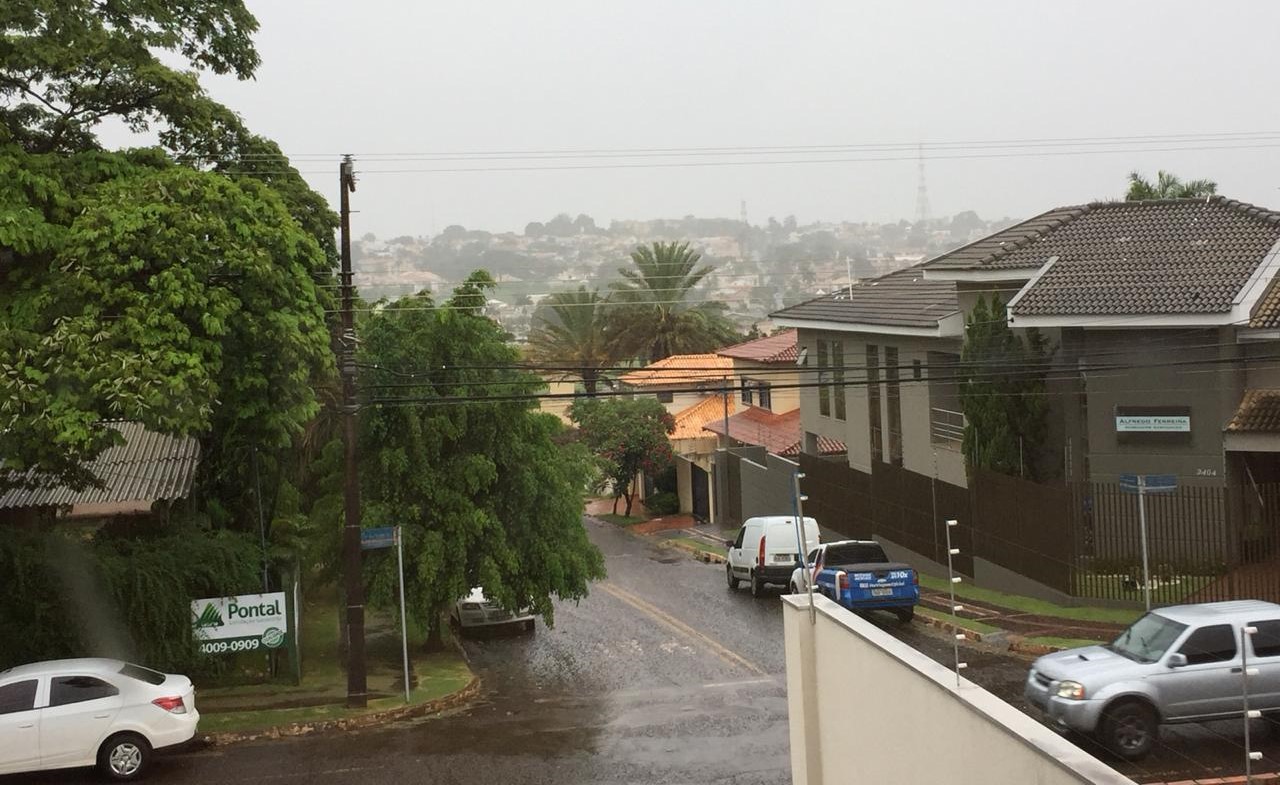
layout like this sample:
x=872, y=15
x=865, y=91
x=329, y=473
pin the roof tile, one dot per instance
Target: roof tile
x=780, y=348
x=900, y=299
x=680, y=369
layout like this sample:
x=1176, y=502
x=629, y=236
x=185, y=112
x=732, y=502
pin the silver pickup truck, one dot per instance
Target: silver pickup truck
x=1176, y=664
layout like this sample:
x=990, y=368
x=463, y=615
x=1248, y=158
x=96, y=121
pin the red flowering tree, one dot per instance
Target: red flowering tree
x=627, y=437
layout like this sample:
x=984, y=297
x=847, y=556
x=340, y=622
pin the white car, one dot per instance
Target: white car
x=767, y=551
x=91, y=712
x=474, y=612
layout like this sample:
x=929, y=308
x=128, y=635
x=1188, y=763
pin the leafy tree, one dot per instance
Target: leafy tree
x=658, y=316
x=572, y=331
x=485, y=493
x=1002, y=392
x=627, y=437
x=1167, y=186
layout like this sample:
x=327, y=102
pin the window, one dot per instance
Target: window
x=837, y=377
x=77, y=689
x=747, y=384
x=1147, y=639
x=19, y=696
x=856, y=553
x=917, y=370
x=1216, y=643
x=824, y=393
x=893, y=401
x=666, y=396
x=766, y=398
x=873, y=402
x=142, y=674
x=1266, y=641
x=741, y=533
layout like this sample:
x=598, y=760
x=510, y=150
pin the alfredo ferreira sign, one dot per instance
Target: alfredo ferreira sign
x=246, y=622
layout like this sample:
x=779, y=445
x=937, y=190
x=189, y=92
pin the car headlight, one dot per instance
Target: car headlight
x=1072, y=690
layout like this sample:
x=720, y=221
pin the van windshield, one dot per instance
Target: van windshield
x=1147, y=639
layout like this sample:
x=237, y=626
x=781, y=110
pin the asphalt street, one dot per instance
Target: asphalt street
x=662, y=675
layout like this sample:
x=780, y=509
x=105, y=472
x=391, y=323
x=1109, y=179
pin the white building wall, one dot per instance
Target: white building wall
x=866, y=708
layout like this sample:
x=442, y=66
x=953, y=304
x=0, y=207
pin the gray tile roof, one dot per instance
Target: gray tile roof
x=899, y=299
x=146, y=467
x=1002, y=249
x=1173, y=256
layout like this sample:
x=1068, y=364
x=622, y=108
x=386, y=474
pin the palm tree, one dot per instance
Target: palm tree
x=656, y=317
x=1167, y=186
x=571, y=333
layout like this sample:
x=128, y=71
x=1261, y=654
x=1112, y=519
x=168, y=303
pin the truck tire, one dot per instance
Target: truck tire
x=733, y=582
x=1130, y=729
x=757, y=585
x=905, y=615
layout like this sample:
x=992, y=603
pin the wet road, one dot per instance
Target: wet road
x=660, y=676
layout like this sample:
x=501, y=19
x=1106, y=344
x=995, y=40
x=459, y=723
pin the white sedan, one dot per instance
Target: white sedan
x=474, y=612
x=69, y=713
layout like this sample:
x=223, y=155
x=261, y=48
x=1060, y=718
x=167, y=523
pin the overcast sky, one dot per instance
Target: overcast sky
x=384, y=77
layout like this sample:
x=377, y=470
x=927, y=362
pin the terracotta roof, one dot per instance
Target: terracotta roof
x=680, y=369
x=780, y=348
x=899, y=299
x=146, y=467
x=1266, y=314
x=690, y=421
x=778, y=433
x=1259, y=412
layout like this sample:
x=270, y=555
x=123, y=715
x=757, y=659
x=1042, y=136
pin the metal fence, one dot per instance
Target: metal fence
x=1080, y=539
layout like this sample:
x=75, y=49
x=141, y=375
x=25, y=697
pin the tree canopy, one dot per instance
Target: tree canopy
x=572, y=331
x=486, y=490
x=1167, y=186
x=627, y=437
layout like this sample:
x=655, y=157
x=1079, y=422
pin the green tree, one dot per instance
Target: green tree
x=1167, y=186
x=484, y=490
x=657, y=315
x=571, y=331
x=1002, y=392
x=627, y=437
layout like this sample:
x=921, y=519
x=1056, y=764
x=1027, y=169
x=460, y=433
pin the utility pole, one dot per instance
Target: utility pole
x=357, y=687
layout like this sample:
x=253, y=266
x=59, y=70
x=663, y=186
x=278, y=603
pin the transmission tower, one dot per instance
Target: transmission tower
x=922, y=191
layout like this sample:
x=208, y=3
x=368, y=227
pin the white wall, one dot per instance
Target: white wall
x=866, y=708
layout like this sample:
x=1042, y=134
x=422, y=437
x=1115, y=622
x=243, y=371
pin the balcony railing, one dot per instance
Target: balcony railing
x=946, y=427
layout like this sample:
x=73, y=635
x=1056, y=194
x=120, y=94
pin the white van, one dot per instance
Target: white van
x=766, y=551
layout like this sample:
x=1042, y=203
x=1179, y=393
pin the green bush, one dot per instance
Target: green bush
x=126, y=594
x=662, y=503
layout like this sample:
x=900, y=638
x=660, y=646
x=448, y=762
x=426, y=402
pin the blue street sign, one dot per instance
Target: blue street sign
x=372, y=539
x=1149, y=483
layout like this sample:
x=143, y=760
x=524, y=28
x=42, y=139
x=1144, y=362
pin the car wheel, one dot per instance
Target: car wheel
x=757, y=586
x=124, y=757
x=1130, y=730
x=733, y=582
x=905, y=615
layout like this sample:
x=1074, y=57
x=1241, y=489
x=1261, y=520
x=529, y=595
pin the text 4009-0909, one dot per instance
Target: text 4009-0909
x=221, y=647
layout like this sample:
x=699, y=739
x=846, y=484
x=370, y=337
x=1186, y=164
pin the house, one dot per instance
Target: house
x=143, y=475
x=681, y=380
x=1163, y=315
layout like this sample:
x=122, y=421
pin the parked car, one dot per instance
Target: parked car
x=112, y=714
x=859, y=575
x=1177, y=664
x=766, y=551
x=474, y=612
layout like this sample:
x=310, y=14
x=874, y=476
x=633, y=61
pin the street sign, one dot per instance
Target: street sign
x=245, y=622
x=373, y=539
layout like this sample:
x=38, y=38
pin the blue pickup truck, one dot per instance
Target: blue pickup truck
x=858, y=575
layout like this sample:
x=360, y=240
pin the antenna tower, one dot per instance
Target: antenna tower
x=922, y=190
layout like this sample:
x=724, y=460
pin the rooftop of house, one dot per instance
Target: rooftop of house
x=1259, y=412
x=690, y=420
x=680, y=369
x=780, y=348
x=904, y=298
x=780, y=434
x=145, y=467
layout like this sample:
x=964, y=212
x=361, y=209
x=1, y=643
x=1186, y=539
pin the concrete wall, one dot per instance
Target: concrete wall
x=776, y=374
x=867, y=708
x=766, y=488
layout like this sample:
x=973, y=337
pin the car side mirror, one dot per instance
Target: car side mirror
x=1177, y=660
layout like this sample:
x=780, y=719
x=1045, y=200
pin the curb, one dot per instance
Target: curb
x=697, y=553
x=452, y=701
x=1240, y=780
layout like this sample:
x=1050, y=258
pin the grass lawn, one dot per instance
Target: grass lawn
x=959, y=621
x=1065, y=643
x=322, y=694
x=690, y=543
x=621, y=520
x=1112, y=587
x=1031, y=605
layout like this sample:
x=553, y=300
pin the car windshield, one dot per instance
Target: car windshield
x=142, y=674
x=1148, y=638
x=855, y=553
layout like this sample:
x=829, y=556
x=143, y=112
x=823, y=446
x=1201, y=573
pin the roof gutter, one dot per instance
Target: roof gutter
x=949, y=326
x=978, y=275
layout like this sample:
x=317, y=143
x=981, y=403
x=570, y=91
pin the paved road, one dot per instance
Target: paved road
x=660, y=676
